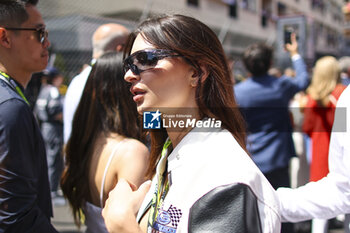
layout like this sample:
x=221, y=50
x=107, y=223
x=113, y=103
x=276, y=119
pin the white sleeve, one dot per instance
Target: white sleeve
x=71, y=101
x=330, y=196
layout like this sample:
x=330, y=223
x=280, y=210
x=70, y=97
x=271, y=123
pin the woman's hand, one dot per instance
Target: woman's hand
x=122, y=206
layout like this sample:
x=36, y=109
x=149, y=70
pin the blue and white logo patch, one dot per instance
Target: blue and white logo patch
x=151, y=120
x=167, y=220
x=164, y=218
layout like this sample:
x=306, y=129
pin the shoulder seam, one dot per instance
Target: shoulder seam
x=13, y=98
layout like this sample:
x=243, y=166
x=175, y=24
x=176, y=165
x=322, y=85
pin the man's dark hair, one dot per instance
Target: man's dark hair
x=12, y=13
x=257, y=59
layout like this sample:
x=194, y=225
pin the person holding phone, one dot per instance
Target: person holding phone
x=264, y=101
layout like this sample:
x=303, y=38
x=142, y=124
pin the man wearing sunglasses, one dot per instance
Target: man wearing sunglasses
x=107, y=37
x=25, y=202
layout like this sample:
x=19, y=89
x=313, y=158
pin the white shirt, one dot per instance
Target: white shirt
x=329, y=196
x=72, y=99
x=203, y=161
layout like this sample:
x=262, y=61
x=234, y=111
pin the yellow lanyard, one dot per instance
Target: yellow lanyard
x=14, y=85
x=162, y=187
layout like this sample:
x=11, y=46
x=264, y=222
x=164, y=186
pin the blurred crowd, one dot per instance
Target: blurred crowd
x=295, y=155
x=94, y=137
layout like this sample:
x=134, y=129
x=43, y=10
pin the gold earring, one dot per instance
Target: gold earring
x=194, y=83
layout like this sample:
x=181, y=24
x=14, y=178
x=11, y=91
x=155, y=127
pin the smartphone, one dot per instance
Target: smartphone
x=287, y=34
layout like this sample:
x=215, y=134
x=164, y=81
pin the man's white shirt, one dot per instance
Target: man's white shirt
x=329, y=196
x=72, y=99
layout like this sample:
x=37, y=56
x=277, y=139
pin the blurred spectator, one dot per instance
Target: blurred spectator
x=299, y=167
x=105, y=126
x=108, y=37
x=48, y=109
x=264, y=101
x=323, y=94
x=344, y=63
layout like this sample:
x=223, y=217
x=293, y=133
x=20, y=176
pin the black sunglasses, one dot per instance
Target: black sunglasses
x=41, y=32
x=146, y=59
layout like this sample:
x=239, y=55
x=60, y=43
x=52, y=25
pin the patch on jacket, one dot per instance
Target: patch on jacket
x=167, y=220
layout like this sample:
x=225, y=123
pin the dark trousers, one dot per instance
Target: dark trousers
x=53, y=137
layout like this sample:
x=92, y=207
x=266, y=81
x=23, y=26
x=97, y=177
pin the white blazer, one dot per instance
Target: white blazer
x=203, y=161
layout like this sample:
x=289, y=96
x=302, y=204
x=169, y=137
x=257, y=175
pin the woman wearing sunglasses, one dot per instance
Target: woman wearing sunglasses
x=204, y=179
x=102, y=148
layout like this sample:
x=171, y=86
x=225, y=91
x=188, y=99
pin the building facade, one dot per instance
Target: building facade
x=238, y=23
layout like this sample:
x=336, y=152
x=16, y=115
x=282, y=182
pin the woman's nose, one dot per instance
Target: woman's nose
x=131, y=77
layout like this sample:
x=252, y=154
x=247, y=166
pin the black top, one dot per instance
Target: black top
x=25, y=202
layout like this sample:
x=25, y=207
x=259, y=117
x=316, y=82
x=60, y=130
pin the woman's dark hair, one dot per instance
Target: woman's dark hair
x=106, y=106
x=200, y=47
x=32, y=2
x=257, y=59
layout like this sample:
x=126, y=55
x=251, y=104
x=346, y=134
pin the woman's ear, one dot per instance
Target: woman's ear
x=199, y=74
